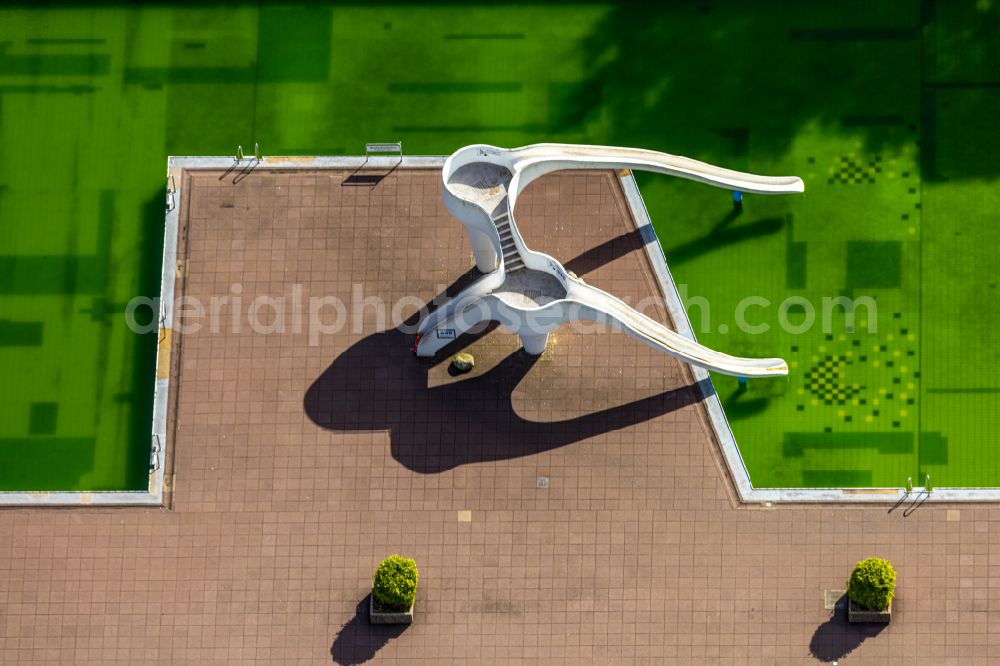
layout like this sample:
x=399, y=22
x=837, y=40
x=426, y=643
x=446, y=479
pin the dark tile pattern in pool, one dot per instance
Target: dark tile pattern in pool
x=632, y=552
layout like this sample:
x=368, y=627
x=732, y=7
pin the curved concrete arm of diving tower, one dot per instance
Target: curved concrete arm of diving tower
x=533, y=162
x=593, y=304
x=532, y=293
x=459, y=314
x=582, y=303
x=482, y=182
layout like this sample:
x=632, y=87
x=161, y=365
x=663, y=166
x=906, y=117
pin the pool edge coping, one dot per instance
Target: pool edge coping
x=738, y=473
x=160, y=445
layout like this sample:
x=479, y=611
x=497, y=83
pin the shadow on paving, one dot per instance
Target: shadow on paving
x=836, y=638
x=606, y=252
x=378, y=384
x=359, y=640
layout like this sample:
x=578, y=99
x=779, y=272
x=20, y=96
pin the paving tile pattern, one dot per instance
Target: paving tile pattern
x=300, y=462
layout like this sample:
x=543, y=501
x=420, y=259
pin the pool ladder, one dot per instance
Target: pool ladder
x=928, y=488
x=256, y=153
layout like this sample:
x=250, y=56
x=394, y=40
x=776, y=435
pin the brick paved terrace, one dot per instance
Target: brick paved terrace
x=598, y=529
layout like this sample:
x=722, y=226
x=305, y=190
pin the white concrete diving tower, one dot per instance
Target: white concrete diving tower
x=530, y=292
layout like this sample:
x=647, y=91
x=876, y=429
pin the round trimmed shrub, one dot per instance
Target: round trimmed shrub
x=395, y=583
x=872, y=584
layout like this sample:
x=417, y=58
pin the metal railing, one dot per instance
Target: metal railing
x=379, y=148
x=256, y=153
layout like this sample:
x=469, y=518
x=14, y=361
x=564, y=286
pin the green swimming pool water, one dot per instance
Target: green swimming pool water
x=885, y=110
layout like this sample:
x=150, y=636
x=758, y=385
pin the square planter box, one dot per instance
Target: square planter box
x=378, y=615
x=858, y=613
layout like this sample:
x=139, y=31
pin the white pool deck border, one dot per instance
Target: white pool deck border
x=154, y=496
x=717, y=416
